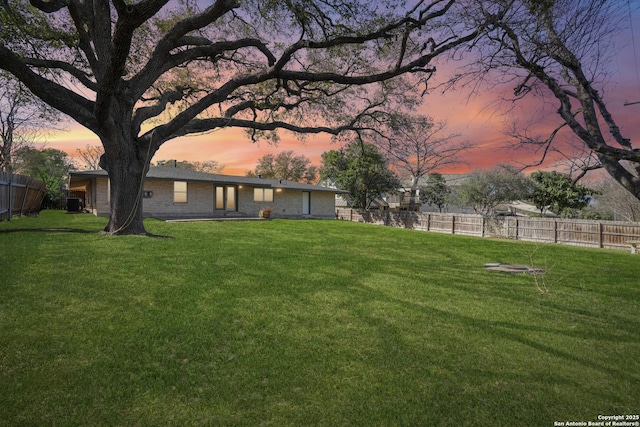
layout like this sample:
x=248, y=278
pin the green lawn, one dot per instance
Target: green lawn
x=289, y=323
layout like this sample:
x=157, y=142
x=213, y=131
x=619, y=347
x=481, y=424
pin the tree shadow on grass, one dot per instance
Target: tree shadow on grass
x=77, y=230
x=518, y=333
x=46, y=230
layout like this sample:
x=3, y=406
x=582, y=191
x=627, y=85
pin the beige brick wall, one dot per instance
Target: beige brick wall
x=246, y=204
x=323, y=205
x=102, y=197
x=199, y=199
x=288, y=203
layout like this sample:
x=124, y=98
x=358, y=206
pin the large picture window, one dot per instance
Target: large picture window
x=263, y=194
x=180, y=192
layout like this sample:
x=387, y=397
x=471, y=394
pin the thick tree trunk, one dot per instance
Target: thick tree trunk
x=126, y=176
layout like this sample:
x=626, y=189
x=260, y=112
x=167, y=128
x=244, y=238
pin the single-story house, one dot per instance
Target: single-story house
x=171, y=192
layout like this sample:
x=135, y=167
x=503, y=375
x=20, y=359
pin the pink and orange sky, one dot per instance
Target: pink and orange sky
x=477, y=119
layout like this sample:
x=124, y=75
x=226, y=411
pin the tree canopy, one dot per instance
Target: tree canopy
x=139, y=74
x=416, y=145
x=556, y=191
x=360, y=169
x=435, y=191
x=286, y=165
x=49, y=165
x=484, y=189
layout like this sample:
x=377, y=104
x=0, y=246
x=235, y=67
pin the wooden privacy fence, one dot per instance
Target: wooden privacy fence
x=599, y=234
x=464, y=224
x=19, y=195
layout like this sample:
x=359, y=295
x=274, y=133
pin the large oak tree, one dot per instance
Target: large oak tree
x=141, y=73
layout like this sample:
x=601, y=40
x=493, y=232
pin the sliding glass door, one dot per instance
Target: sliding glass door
x=225, y=198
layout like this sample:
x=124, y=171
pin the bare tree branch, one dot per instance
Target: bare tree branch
x=559, y=48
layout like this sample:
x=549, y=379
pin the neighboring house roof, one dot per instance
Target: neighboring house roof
x=178, y=174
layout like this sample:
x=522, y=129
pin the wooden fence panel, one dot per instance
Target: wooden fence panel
x=617, y=234
x=441, y=223
x=468, y=225
x=19, y=195
x=578, y=233
x=534, y=230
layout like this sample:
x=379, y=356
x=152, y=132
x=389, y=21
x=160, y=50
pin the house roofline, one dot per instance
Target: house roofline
x=166, y=173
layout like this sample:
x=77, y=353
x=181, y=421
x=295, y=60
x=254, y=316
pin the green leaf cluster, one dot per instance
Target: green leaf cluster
x=49, y=165
x=556, y=191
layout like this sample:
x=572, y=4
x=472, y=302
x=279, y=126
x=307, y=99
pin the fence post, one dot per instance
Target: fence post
x=555, y=230
x=10, y=197
x=453, y=224
x=600, y=235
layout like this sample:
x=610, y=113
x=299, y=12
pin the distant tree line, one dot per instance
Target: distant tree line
x=364, y=170
x=551, y=192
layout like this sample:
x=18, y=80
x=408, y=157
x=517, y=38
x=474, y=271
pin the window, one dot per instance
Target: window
x=219, y=197
x=263, y=194
x=179, y=192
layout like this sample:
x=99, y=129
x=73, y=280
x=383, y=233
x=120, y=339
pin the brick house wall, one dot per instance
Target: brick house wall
x=200, y=201
x=287, y=203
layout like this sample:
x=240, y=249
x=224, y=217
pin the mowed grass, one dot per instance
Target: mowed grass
x=289, y=323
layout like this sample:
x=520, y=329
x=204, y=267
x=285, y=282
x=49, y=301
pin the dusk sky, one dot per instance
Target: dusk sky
x=477, y=119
